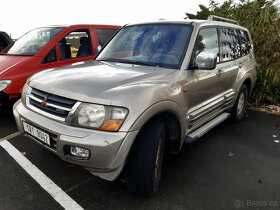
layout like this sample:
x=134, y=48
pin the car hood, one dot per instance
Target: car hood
x=7, y=62
x=97, y=82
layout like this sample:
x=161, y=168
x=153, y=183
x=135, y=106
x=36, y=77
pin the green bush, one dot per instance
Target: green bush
x=262, y=19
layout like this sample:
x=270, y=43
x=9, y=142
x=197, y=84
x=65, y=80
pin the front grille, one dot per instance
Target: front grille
x=56, y=106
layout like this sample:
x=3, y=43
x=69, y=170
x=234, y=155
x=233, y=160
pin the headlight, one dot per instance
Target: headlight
x=116, y=119
x=4, y=84
x=91, y=115
x=118, y=113
x=23, y=93
x=99, y=117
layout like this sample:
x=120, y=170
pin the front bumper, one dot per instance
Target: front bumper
x=108, y=149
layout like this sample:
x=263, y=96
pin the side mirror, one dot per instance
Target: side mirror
x=98, y=49
x=206, y=60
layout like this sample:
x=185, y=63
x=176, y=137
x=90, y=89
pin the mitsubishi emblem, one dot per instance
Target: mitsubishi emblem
x=44, y=103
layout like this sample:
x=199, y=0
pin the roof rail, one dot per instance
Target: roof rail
x=211, y=17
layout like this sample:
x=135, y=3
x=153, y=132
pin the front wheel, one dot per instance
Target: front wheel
x=146, y=158
x=238, y=109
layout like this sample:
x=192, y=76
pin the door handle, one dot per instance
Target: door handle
x=219, y=73
x=240, y=65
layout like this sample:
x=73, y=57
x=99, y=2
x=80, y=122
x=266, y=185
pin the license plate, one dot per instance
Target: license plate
x=37, y=133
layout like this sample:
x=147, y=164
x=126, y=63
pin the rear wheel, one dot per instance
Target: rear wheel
x=238, y=109
x=146, y=158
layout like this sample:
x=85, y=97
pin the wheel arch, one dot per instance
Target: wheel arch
x=172, y=116
x=249, y=82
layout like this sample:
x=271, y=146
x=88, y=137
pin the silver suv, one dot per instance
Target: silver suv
x=153, y=87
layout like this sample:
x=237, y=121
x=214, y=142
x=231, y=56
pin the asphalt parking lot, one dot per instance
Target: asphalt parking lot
x=236, y=165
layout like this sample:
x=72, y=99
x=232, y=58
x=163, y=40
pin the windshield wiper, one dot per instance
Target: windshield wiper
x=129, y=62
x=108, y=60
x=138, y=63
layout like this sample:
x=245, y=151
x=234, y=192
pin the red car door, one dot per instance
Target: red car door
x=72, y=46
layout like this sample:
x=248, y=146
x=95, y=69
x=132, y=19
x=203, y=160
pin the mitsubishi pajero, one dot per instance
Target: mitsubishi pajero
x=153, y=87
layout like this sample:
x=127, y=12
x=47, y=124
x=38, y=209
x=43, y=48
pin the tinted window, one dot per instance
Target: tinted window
x=245, y=43
x=162, y=45
x=230, y=44
x=104, y=35
x=206, y=40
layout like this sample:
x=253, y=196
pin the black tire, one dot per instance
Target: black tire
x=5, y=40
x=145, y=161
x=239, y=107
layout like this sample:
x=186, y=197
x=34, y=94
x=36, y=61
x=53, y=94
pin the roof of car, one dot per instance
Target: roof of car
x=80, y=25
x=197, y=23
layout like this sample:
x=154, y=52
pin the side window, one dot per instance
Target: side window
x=104, y=35
x=51, y=57
x=230, y=44
x=207, y=39
x=76, y=44
x=245, y=43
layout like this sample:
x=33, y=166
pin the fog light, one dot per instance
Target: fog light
x=80, y=152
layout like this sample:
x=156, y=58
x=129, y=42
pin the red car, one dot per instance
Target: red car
x=44, y=48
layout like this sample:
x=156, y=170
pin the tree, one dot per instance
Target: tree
x=262, y=19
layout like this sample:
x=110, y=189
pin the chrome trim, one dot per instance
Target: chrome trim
x=41, y=112
x=194, y=135
x=34, y=98
x=207, y=108
x=229, y=96
x=49, y=104
x=206, y=60
x=70, y=115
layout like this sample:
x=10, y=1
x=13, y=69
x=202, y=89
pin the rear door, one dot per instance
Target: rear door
x=231, y=61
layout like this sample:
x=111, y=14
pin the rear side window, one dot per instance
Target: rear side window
x=206, y=40
x=230, y=44
x=245, y=43
x=104, y=35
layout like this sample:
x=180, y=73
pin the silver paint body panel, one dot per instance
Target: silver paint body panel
x=144, y=91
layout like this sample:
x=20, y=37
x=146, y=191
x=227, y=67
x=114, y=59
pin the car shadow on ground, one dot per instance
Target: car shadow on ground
x=7, y=122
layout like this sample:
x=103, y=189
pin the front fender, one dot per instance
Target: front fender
x=159, y=108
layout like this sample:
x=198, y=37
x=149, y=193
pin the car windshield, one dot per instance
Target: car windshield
x=32, y=42
x=162, y=45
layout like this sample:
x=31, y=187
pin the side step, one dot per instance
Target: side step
x=192, y=137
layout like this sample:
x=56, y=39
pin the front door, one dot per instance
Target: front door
x=205, y=96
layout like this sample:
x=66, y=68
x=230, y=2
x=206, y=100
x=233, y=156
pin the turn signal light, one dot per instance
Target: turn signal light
x=111, y=125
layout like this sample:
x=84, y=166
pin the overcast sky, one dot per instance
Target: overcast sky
x=20, y=16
